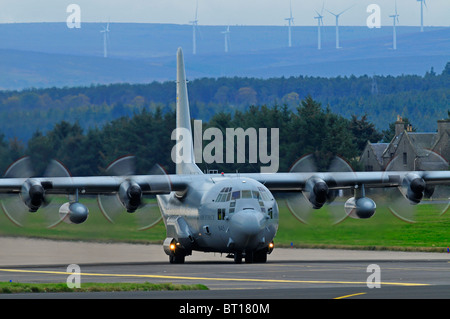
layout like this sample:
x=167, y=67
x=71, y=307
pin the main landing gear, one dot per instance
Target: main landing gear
x=258, y=256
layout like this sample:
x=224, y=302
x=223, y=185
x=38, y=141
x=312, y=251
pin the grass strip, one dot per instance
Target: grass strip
x=16, y=287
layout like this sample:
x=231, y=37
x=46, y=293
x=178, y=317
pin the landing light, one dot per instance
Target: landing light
x=271, y=245
x=172, y=247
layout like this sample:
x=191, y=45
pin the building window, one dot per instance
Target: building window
x=405, y=159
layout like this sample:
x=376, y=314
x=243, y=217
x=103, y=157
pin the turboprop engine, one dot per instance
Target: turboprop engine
x=316, y=191
x=413, y=187
x=130, y=194
x=73, y=213
x=33, y=194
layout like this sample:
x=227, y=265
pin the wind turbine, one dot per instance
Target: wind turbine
x=422, y=2
x=337, y=24
x=227, y=38
x=194, y=29
x=105, y=32
x=290, y=21
x=395, y=20
x=319, y=24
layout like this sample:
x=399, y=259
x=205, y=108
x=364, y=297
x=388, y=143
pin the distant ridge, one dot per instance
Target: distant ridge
x=51, y=55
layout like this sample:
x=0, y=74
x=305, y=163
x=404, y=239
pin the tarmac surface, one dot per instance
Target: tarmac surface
x=288, y=274
x=32, y=251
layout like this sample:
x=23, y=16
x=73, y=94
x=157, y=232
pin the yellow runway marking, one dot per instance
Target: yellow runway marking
x=348, y=296
x=212, y=278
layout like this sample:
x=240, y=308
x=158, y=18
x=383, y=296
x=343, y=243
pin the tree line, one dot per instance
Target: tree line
x=309, y=128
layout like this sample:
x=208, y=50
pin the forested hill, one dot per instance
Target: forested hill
x=421, y=99
x=147, y=135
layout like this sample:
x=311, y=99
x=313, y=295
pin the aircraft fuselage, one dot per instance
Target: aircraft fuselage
x=221, y=214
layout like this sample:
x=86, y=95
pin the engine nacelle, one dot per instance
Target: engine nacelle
x=130, y=194
x=316, y=192
x=361, y=208
x=33, y=194
x=413, y=188
x=73, y=213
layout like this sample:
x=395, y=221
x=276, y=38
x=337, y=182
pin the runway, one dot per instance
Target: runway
x=288, y=274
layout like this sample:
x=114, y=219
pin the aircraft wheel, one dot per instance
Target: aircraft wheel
x=260, y=256
x=176, y=259
x=238, y=258
x=249, y=257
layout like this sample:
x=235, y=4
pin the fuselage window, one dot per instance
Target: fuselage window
x=221, y=214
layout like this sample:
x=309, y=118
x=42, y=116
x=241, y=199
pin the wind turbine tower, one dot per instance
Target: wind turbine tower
x=290, y=21
x=394, y=20
x=319, y=18
x=337, y=25
x=105, y=32
x=194, y=29
x=422, y=2
x=226, y=33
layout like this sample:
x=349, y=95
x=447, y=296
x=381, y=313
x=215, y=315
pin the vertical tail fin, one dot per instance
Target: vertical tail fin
x=185, y=160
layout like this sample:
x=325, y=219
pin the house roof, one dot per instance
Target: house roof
x=422, y=142
x=378, y=150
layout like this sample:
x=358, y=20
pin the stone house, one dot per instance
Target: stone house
x=408, y=150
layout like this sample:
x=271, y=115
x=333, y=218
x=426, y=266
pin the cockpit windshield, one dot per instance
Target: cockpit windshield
x=227, y=194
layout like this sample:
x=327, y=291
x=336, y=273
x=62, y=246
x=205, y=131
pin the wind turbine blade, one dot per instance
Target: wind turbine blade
x=196, y=11
x=346, y=9
x=331, y=12
x=290, y=8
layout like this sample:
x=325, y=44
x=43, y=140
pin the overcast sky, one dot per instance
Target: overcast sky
x=223, y=12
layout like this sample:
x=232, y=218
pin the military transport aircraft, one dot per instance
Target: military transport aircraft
x=235, y=214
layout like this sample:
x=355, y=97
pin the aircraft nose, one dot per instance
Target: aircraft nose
x=246, y=223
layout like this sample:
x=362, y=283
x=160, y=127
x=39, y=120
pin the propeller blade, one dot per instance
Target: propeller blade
x=435, y=196
x=147, y=215
x=13, y=205
x=51, y=206
x=110, y=204
x=301, y=207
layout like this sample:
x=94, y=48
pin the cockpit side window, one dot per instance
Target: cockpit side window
x=264, y=194
x=224, y=195
x=256, y=195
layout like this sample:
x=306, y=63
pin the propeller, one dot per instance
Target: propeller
x=405, y=200
x=317, y=192
x=32, y=197
x=131, y=197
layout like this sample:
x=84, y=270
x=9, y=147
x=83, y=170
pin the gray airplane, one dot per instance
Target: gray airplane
x=235, y=214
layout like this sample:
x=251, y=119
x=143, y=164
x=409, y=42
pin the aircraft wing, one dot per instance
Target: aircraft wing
x=343, y=180
x=94, y=185
x=163, y=184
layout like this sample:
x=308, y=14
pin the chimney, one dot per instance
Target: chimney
x=399, y=125
x=443, y=125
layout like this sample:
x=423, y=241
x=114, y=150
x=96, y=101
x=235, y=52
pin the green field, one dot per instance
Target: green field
x=431, y=232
